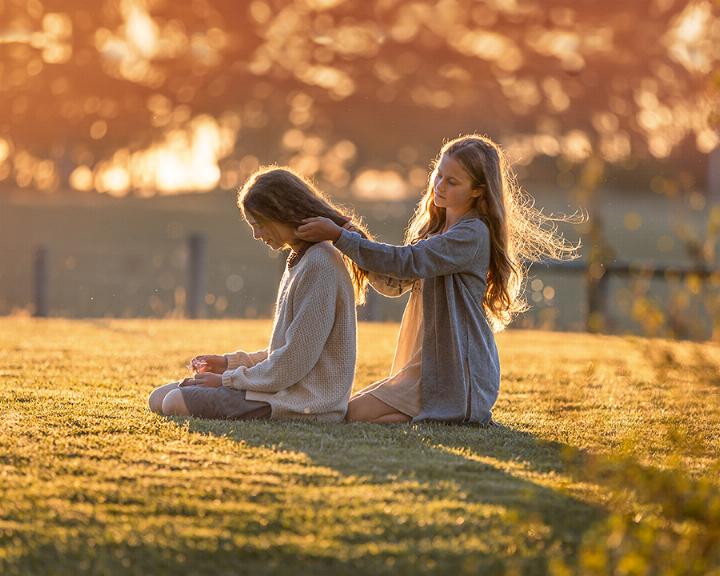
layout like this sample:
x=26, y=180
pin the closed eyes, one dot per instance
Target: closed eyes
x=449, y=180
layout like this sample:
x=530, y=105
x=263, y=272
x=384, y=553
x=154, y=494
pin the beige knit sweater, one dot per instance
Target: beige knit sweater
x=308, y=369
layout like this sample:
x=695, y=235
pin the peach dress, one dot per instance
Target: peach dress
x=401, y=389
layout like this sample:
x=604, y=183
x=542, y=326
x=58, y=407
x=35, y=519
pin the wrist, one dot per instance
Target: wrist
x=337, y=235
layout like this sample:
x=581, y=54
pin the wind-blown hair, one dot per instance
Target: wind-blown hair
x=281, y=195
x=519, y=233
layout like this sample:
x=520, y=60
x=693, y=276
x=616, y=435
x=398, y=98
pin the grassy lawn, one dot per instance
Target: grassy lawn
x=605, y=462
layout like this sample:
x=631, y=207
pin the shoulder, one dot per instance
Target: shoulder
x=321, y=271
x=473, y=226
x=322, y=257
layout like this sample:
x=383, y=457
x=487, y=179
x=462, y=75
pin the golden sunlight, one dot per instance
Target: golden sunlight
x=186, y=160
x=380, y=185
x=693, y=40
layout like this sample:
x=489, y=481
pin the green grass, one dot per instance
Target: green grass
x=606, y=462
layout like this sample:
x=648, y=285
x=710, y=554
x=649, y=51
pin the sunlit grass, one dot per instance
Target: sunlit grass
x=605, y=463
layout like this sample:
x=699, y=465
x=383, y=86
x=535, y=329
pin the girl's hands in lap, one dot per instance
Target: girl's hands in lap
x=208, y=363
x=206, y=379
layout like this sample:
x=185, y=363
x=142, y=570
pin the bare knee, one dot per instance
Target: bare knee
x=173, y=404
x=157, y=396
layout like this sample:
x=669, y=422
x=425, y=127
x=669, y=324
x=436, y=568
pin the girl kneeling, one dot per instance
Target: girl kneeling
x=464, y=259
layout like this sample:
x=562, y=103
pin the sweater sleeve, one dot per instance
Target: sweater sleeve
x=435, y=256
x=314, y=302
x=241, y=358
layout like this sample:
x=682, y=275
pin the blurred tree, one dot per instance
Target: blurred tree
x=84, y=90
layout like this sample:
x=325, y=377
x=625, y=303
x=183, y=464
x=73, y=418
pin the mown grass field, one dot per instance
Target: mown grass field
x=605, y=462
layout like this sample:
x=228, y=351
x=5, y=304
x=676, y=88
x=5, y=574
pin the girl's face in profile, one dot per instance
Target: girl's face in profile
x=275, y=234
x=453, y=187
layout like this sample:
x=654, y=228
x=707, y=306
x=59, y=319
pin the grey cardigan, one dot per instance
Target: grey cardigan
x=460, y=366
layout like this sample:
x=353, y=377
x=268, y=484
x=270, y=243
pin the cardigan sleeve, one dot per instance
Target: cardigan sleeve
x=241, y=358
x=314, y=302
x=438, y=255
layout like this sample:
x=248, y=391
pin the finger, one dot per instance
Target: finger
x=307, y=231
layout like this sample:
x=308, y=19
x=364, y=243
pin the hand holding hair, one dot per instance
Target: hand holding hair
x=350, y=226
x=318, y=229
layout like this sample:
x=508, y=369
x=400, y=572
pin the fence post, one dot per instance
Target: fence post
x=196, y=286
x=598, y=278
x=712, y=205
x=40, y=278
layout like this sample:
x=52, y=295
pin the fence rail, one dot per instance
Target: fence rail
x=596, y=273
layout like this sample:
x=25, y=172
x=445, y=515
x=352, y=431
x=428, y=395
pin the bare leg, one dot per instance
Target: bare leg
x=158, y=395
x=367, y=408
x=174, y=405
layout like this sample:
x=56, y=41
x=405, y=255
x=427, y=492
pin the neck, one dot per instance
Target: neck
x=452, y=216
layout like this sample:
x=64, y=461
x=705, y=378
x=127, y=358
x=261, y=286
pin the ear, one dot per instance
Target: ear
x=479, y=191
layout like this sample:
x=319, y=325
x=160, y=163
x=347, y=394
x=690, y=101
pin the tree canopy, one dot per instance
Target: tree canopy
x=149, y=96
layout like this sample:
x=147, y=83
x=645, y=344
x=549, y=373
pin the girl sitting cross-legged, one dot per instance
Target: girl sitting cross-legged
x=307, y=370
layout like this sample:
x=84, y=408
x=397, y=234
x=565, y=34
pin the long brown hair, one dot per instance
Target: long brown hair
x=519, y=233
x=281, y=195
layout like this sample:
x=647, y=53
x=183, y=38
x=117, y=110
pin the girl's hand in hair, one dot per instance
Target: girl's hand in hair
x=350, y=226
x=207, y=379
x=318, y=229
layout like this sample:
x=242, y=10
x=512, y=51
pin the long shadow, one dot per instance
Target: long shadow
x=422, y=462
x=500, y=467
x=464, y=455
x=431, y=456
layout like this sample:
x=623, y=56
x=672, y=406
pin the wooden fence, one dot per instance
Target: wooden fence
x=597, y=276
x=597, y=282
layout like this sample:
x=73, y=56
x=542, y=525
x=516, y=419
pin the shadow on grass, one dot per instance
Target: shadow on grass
x=512, y=522
x=524, y=475
x=665, y=363
x=433, y=457
x=511, y=476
